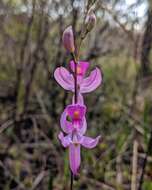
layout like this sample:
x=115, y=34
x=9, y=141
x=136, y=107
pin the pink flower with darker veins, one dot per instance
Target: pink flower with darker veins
x=75, y=126
x=73, y=119
x=85, y=84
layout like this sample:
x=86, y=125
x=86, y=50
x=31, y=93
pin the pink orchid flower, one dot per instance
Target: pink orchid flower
x=73, y=119
x=74, y=124
x=74, y=142
x=85, y=84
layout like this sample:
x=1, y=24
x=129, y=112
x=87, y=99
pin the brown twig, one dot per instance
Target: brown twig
x=119, y=170
x=22, y=55
x=102, y=185
x=19, y=183
x=134, y=165
x=115, y=18
x=32, y=68
x=149, y=152
x=38, y=180
x=5, y=125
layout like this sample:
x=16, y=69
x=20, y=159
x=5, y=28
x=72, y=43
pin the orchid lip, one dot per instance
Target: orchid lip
x=69, y=124
x=76, y=114
x=76, y=125
x=79, y=70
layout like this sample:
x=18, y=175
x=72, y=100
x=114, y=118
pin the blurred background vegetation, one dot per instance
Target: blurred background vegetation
x=31, y=102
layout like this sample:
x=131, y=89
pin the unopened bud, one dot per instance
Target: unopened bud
x=68, y=39
x=90, y=20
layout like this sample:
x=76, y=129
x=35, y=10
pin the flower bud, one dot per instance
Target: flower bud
x=90, y=20
x=68, y=39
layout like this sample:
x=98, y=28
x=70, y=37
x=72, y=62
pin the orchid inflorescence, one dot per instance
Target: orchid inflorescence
x=73, y=121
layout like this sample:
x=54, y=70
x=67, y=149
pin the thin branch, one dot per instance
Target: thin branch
x=22, y=55
x=134, y=165
x=149, y=152
x=7, y=124
x=38, y=180
x=20, y=184
x=40, y=42
x=115, y=18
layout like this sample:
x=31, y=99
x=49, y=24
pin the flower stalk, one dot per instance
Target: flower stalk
x=75, y=78
x=75, y=101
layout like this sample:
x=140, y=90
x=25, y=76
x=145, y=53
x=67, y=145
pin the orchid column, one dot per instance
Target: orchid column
x=73, y=121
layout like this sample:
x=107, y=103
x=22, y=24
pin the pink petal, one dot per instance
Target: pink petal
x=83, y=65
x=88, y=142
x=66, y=126
x=83, y=128
x=65, y=140
x=64, y=78
x=92, y=82
x=74, y=157
x=77, y=138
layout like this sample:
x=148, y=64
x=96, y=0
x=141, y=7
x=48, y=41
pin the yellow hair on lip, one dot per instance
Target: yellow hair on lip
x=79, y=70
x=76, y=115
